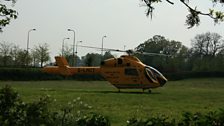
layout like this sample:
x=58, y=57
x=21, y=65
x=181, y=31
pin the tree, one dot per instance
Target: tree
x=22, y=58
x=207, y=44
x=159, y=44
x=42, y=53
x=92, y=59
x=192, y=19
x=35, y=56
x=6, y=14
x=67, y=53
x=14, y=54
x=5, y=49
x=107, y=55
x=206, y=50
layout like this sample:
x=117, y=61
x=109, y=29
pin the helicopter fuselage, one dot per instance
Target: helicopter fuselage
x=125, y=72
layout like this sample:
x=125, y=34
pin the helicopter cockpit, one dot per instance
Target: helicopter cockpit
x=154, y=75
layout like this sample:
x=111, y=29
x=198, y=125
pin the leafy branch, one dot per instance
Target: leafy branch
x=192, y=19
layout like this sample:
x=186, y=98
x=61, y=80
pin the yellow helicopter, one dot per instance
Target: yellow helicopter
x=125, y=72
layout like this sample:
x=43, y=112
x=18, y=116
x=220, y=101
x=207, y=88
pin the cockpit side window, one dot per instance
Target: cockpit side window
x=131, y=71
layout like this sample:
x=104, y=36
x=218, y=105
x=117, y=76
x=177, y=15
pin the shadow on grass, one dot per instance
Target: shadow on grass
x=101, y=91
x=115, y=92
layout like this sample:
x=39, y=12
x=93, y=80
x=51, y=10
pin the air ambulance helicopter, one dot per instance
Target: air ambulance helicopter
x=125, y=72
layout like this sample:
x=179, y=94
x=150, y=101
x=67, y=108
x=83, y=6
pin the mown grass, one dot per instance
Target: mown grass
x=193, y=95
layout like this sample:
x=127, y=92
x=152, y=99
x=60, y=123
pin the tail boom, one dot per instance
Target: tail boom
x=64, y=69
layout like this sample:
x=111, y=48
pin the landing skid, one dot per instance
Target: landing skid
x=143, y=90
x=149, y=91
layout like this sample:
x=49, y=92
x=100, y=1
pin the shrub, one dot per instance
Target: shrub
x=215, y=118
x=212, y=118
x=151, y=121
x=14, y=112
x=93, y=119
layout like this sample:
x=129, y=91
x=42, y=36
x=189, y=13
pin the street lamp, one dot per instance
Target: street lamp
x=77, y=47
x=63, y=42
x=27, y=46
x=28, y=39
x=77, y=62
x=102, y=44
x=73, y=46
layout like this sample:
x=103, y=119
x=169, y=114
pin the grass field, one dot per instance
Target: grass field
x=194, y=95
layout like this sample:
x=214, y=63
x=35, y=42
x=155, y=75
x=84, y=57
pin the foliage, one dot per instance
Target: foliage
x=206, y=55
x=152, y=121
x=42, y=53
x=92, y=59
x=212, y=118
x=25, y=74
x=6, y=14
x=13, y=111
x=12, y=55
x=159, y=44
x=192, y=19
x=93, y=120
x=195, y=74
x=35, y=74
x=207, y=44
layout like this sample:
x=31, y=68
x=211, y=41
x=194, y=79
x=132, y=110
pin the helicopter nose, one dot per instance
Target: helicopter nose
x=162, y=81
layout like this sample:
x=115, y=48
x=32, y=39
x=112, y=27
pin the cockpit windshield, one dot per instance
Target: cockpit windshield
x=149, y=74
x=154, y=75
x=155, y=71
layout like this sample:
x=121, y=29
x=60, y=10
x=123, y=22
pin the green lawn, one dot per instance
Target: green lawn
x=194, y=95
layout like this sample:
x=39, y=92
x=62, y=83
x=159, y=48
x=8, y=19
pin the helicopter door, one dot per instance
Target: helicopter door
x=131, y=77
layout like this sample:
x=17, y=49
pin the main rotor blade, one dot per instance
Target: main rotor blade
x=151, y=54
x=129, y=52
x=104, y=49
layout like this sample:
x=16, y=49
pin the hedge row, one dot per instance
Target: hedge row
x=25, y=74
x=186, y=75
x=35, y=74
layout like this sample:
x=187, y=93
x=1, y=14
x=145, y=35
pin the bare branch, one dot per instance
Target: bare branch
x=170, y=2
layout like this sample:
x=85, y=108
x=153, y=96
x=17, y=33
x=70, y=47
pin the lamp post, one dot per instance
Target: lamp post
x=77, y=62
x=102, y=45
x=28, y=39
x=73, y=47
x=27, y=46
x=77, y=47
x=63, y=42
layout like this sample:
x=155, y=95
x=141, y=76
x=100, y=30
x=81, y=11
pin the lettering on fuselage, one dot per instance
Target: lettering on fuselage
x=86, y=70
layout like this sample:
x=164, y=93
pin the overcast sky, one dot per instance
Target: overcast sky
x=123, y=22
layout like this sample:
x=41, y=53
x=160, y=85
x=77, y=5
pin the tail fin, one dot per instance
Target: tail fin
x=61, y=61
x=61, y=68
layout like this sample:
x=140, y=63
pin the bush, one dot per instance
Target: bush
x=14, y=112
x=213, y=118
x=152, y=121
x=93, y=119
